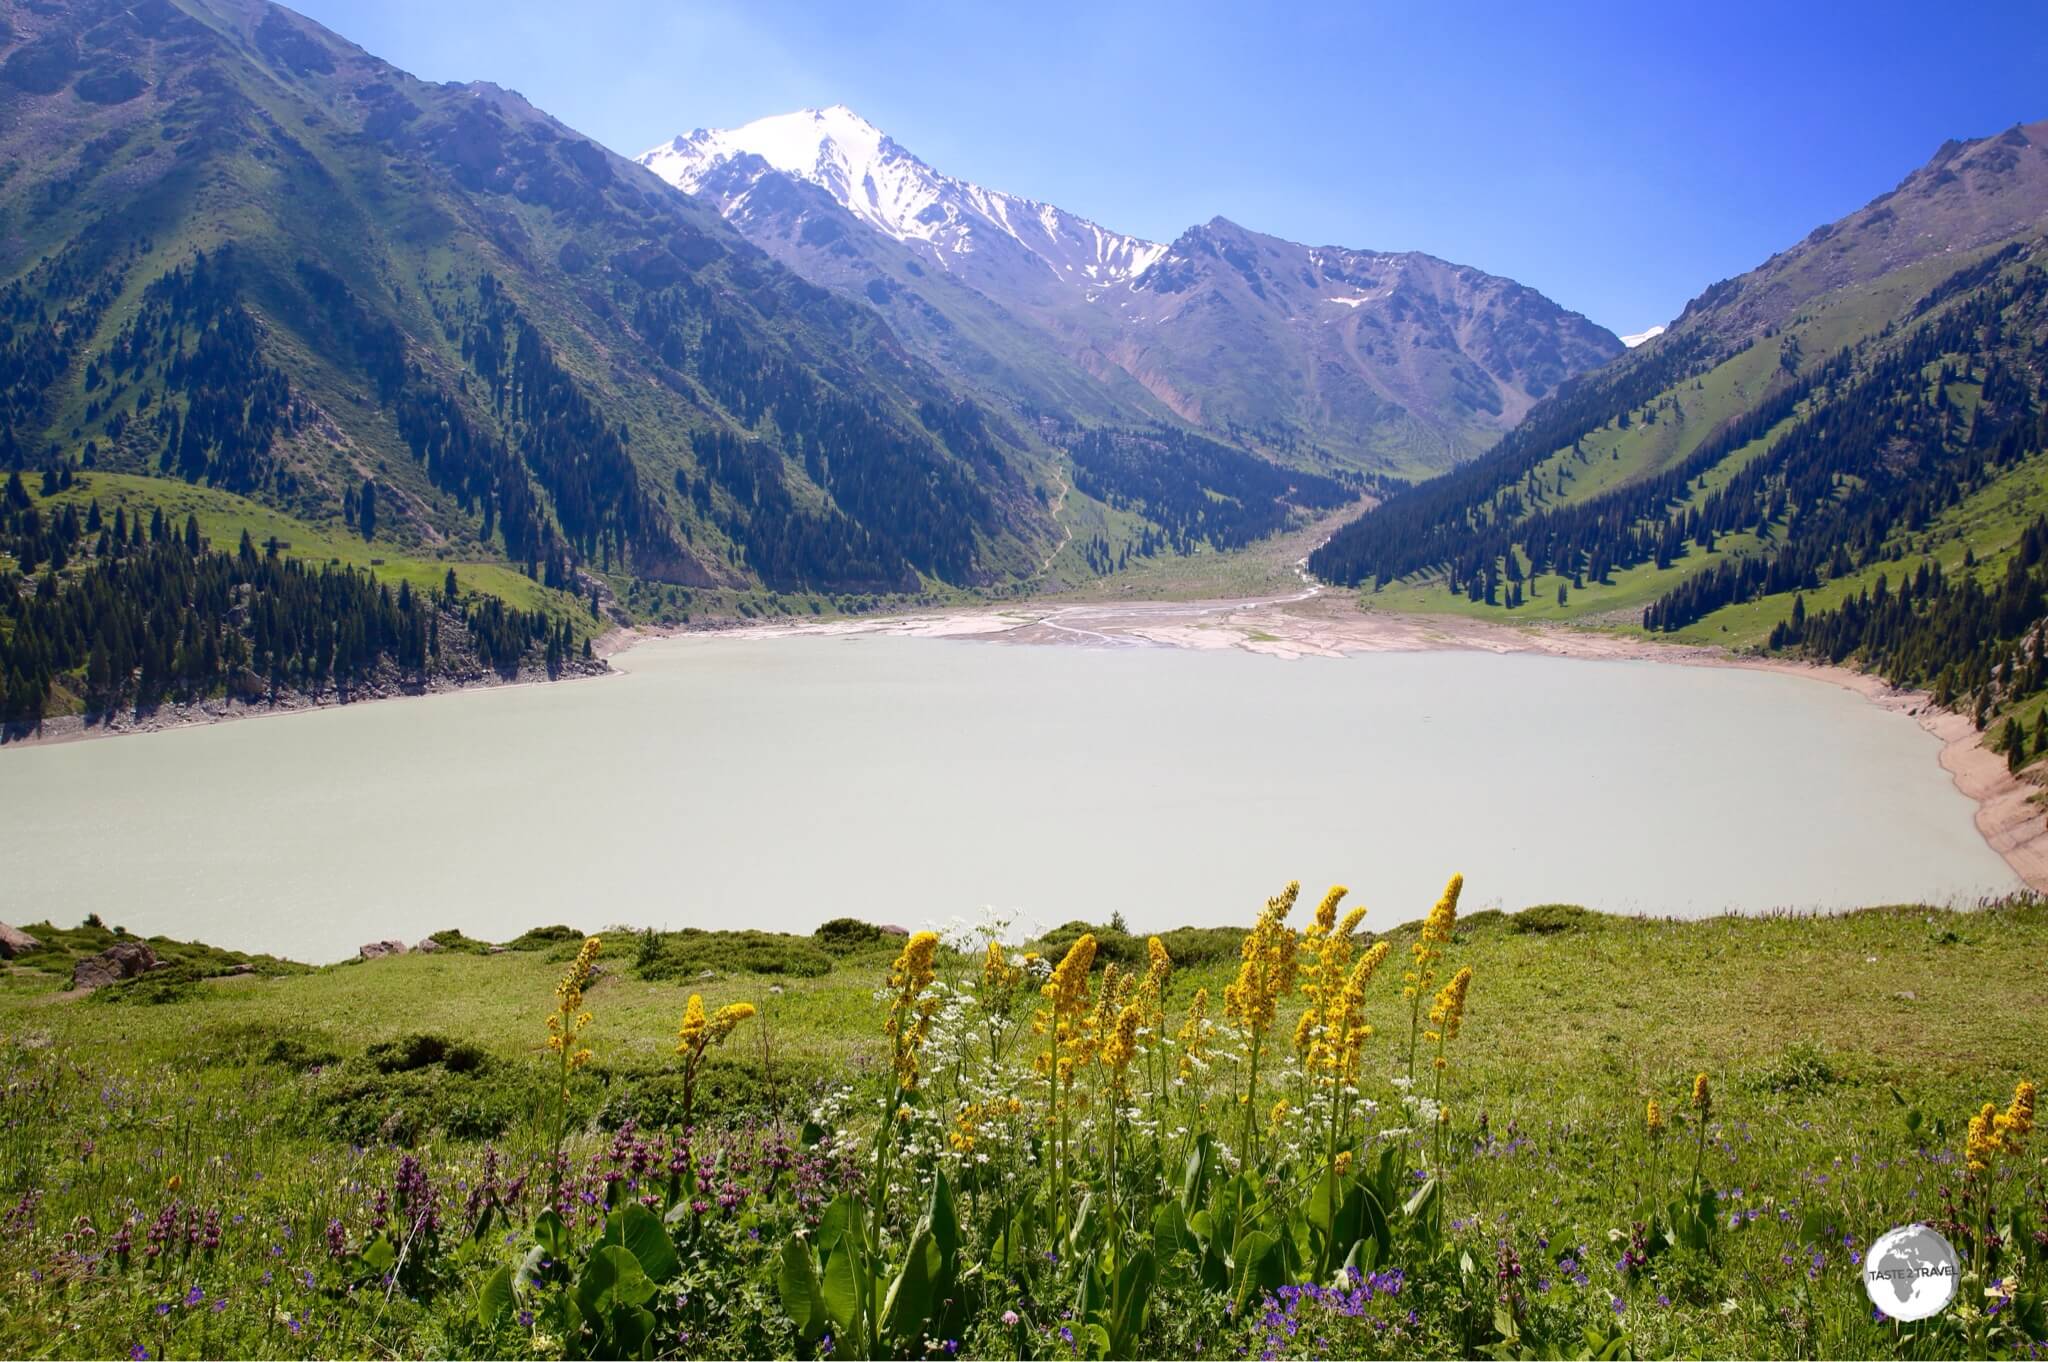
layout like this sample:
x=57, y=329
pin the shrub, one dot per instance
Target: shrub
x=544, y=938
x=170, y=984
x=1800, y=1067
x=420, y=1048
x=845, y=935
x=1548, y=919
x=685, y=954
x=728, y=1089
x=1189, y=946
x=399, y=1091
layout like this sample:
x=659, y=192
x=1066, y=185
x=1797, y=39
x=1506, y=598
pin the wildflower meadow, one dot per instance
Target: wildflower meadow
x=1541, y=1135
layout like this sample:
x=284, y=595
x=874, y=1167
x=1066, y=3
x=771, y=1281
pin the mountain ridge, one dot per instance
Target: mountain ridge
x=534, y=346
x=1865, y=406
x=1193, y=321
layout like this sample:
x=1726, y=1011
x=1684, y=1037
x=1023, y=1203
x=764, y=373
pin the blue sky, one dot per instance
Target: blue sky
x=1617, y=157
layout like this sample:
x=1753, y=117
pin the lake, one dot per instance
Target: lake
x=774, y=782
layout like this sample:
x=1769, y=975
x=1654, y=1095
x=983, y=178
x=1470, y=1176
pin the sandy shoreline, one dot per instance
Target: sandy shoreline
x=1314, y=623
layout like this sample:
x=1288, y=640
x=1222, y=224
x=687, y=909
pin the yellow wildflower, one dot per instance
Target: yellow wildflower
x=1449, y=1011
x=1342, y=1163
x=1435, y=935
x=2019, y=1113
x=1194, y=1035
x=1980, y=1146
x=998, y=975
x=1267, y=967
x=690, y=1036
x=1152, y=988
x=1121, y=1042
x=1322, y=981
x=1654, y=1119
x=1345, y=1030
x=1702, y=1097
x=965, y=1126
x=1065, y=1020
x=1326, y=911
x=2002, y=1132
x=698, y=1034
x=911, y=1008
x=1278, y=1115
x=567, y=1022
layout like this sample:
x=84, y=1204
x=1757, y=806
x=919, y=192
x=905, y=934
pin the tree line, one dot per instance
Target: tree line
x=1196, y=490
x=153, y=614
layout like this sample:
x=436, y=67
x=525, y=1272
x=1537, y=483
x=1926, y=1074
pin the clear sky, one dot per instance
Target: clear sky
x=1619, y=157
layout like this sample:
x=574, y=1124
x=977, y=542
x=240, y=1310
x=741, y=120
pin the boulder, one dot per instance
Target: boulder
x=377, y=950
x=428, y=945
x=122, y=960
x=14, y=941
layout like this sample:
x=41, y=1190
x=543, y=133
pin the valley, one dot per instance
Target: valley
x=789, y=670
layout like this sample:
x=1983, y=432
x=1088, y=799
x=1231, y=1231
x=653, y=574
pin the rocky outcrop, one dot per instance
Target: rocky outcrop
x=427, y=946
x=120, y=961
x=378, y=950
x=14, y=941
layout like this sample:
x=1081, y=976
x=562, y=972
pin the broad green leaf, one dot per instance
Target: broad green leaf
x=632, y=1329
x=1253, y=1252
x=494, y=1298
x=908, y=1307
x=1134, y=1297
x=944, y=1217
x=1376, y=1227
x=840, y=1290
x=612, y=1280
x=798, y=1283
x=378, y=1255
x=842, y=1215
x=1321, y=1211
x=1170, y=1231
x=636, y=1229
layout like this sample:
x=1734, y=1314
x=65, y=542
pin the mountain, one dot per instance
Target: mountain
x=1842, y=453
x=1391, y=358
x=896, y=194
x=1317, y=356
x=245, y=257
x=937, y=313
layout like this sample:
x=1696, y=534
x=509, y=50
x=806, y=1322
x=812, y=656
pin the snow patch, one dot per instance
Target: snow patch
x=1639, y=337
x=900, y=196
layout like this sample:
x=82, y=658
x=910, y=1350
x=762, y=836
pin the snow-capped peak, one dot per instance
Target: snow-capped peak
x=1641, y=336
x=892, y=191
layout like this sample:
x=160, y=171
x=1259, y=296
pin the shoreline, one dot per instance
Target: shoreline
x=74, y=728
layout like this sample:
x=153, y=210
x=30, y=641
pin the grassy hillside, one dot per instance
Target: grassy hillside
x=337, y=1162
x=1837, y=456
x=237, y=250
